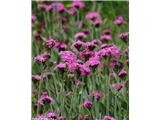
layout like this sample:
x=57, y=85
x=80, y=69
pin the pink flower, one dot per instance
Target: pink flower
x=106, y=37
x=62, y=118
x=45, y=99
x=106, y=32
x=115, y=52
x=117, y=86
x=50, y=43
x=104, y=52
x=40, y=117
x=78, y=44
x=49, y=7
x=122, y=73
x=36, y=78
x=68, y=56
x=78, y=4
x=61, y=66
x=40, y=58
x=80, y=36
x=97, y=94
x=86, y=54
x=93, y=15
x=85, y=70
x=119, y=20
x=88, y=104
x=52, y=115
x=34, y=17
x=93, y=61
x=90, y=45
x=86, y=31
x=108, y=118
x=72, y=11
x=124, y=36
x=59, y=6
x=97, y=23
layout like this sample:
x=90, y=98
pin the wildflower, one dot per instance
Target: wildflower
x=97, y=94
x=119, y=20
x=78, y=44
x=115, y=52
x=61, y=66
x=113, y=63
x=86, y=31
x=37, y=78
x=108, y=118
x=86, y=54
x=93, y=61
x=104, y=52
x=34, y=17
x=124, y=36
x=45, y=99
x=122, y=73
x=61, y=118
x=51, y=115
x=72, y=11
x=85, y=70
x=93, y=16
x=88, y=104
x=49, y=7
x=62, y=47
x=97, y=23
x=59, y=7
x=40, y=58
x=106, y=32
x=77, y=4
x=90, y=45
x=50, y=43
x=72, y=66
x=80, y=36
x=117, y=86
x=106, y=37
x=68, y=56
x=40, y=117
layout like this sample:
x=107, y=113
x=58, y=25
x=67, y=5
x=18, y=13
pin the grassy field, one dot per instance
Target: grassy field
x=80, y=60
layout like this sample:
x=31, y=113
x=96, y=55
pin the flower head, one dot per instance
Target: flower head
x=119, y=20
x=88, y=104
x=78, y=4
x=45, y=99
x=61, y=118
x=124, y=36
x=117, y=86
x=122, y=73
x=93, y=16
x=108, y=118
x=50, y=43
x=106, y=37
x=59, y=6
x=106, y=32
x=80, y=36
x=97, y=94
x=34, y=17
x=36, y=78
x=40, y=117
x=52, y=115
